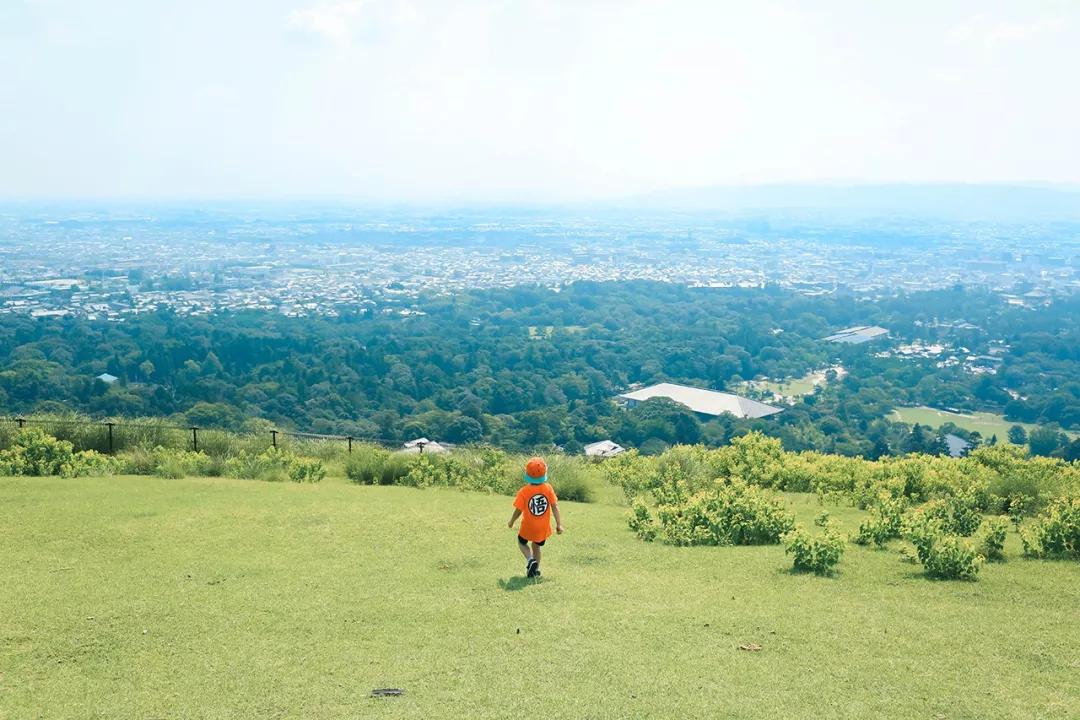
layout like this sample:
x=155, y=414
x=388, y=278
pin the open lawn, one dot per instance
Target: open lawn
x=985, y=423
x=218, y=598
x=791, y=387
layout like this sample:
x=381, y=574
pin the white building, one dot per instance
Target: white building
x=423, y=445
x=858, y=334
x=703, y=402
x=603, y=449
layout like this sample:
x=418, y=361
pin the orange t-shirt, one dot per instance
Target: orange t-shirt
x=535, y=503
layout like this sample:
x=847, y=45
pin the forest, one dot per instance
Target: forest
x=529, y=367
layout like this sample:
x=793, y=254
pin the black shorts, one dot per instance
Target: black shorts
x=523, y=541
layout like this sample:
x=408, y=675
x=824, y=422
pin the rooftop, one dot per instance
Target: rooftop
x=706, y=402
x=858, y=334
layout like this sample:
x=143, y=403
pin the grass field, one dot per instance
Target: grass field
x=217, y=598
x=790, y=387
x=985, y=423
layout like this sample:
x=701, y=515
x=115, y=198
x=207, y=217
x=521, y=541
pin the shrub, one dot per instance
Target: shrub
x=818, y=554
x=275, y=465
x=1055, y=533
x=885, y=522
x=951, y=558
x=33, y=452
x=571, y=478
x=943, y=556
x=371, y=465
x=632, y=472
x=1034, y=481
x=167, y=463
x=305, y=470
x=957, y=514
x=642, y=522
x=991, y=538
x=732, y=514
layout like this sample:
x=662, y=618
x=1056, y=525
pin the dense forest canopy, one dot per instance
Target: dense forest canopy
x=531, y=366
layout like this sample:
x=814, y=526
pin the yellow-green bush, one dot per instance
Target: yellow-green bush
x=733, y=513
x=33, y=452
x=818, y=554
x=1055, y=533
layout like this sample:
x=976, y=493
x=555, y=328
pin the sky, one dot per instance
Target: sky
x=541, y=100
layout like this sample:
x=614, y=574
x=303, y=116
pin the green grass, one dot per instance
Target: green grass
x=789, y=387
x=218, y=598
x=985, y=423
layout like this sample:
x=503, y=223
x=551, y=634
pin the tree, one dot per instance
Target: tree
x=465, y=429
x=1044, y=441
x=204, y=414
x=1017, y=435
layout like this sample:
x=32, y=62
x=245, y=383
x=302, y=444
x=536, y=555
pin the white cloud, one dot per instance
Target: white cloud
x=993, y=33
x=341, y=22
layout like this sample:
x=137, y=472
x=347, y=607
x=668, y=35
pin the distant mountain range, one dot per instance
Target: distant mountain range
x=1036, y=202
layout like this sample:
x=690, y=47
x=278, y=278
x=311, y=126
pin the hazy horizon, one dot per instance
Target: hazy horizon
x=543, y=101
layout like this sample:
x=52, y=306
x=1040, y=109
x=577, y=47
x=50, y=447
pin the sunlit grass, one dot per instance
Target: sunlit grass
x=985, y=423
x=220, y=598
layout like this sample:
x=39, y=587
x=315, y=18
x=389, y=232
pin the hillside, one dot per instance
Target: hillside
x=220, y=598
x=475, y=366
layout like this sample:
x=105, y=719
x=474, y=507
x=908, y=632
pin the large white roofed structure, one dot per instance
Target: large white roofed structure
x=705, y=402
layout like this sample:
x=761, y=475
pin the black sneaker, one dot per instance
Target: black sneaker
x=532, y=569
x=536, y=570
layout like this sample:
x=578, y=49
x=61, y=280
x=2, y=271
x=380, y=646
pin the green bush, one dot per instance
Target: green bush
x=1055, y=533
x=991, y=538
x=305, y=470
x=33, y=452
x=275, y=465
x=634, y=473
x=952, y=558
x=818, y=554
x=885, y=522
x=729, y=514
x=943, y=556
x=572, y=479
x=642, y=522
x=167, y=463
x=372, y=465
x=957, y=514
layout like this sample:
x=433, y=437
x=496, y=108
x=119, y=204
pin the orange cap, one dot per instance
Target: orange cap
x=536, y=469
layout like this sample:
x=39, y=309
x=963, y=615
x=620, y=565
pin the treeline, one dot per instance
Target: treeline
x=530, y=367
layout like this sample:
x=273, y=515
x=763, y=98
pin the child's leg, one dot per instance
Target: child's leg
x=524, y=548
x=536, y=553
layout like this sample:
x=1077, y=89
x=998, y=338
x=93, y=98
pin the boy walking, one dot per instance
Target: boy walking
x=535, y=504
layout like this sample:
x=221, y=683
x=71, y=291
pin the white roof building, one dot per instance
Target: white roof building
x=858, y=334
x=423, y=445
x=603, y=449
x=107, y=378
x=705, y=402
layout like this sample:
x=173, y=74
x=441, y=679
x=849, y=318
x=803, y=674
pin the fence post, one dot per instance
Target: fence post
x=273, y=438
x=195, y=438
x=110, y=426
x=21, y=422
x=350, y=443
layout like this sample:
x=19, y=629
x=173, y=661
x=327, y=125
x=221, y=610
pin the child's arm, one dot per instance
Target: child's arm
x=513, y=518
x=558, y=518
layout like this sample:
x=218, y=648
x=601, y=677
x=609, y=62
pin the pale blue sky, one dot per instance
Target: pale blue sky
x=530, y=99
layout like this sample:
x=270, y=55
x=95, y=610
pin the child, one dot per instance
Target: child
x=536, y=503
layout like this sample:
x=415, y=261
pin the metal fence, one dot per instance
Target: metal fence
x=112, y=436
